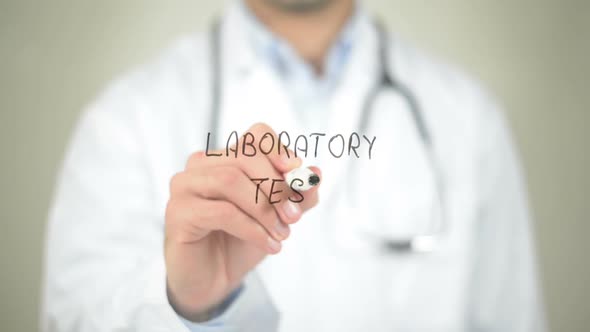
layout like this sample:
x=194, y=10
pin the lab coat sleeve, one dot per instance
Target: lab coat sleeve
x=104, y=266
x=504, y=294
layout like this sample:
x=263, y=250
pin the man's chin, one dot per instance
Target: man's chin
x=300, y=6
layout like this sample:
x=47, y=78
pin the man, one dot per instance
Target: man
x=153, y=229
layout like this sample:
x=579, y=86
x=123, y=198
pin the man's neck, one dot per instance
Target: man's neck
x=312, y=33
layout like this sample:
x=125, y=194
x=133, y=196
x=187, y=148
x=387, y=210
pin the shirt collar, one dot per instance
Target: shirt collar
x=277, y=52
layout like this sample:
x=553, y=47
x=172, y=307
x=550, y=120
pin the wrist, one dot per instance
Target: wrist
x=193, y=308
x=199, y=312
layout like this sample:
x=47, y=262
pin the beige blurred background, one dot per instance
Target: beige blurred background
x=56, y=55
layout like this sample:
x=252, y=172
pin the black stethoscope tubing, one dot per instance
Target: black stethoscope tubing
x=419, y=243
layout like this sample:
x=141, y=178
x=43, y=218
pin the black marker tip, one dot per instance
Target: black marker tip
x=314, y=180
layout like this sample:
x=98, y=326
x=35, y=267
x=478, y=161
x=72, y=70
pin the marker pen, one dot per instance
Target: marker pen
x=303, y=177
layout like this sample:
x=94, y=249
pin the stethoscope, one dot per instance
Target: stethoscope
x=426, y=242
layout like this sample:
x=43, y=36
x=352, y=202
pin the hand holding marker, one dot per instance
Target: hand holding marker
x=211, y=209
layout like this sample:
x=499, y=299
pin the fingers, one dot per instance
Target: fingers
x=232, y=185
x=216, y=215
x=267, y=182
x=266, y=170
x=289, y=210
x=230, y=180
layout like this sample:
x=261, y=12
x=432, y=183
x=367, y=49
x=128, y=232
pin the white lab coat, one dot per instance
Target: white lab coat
x=104, y=267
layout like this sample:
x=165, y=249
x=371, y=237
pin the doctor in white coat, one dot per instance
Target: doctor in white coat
x=432, y=233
